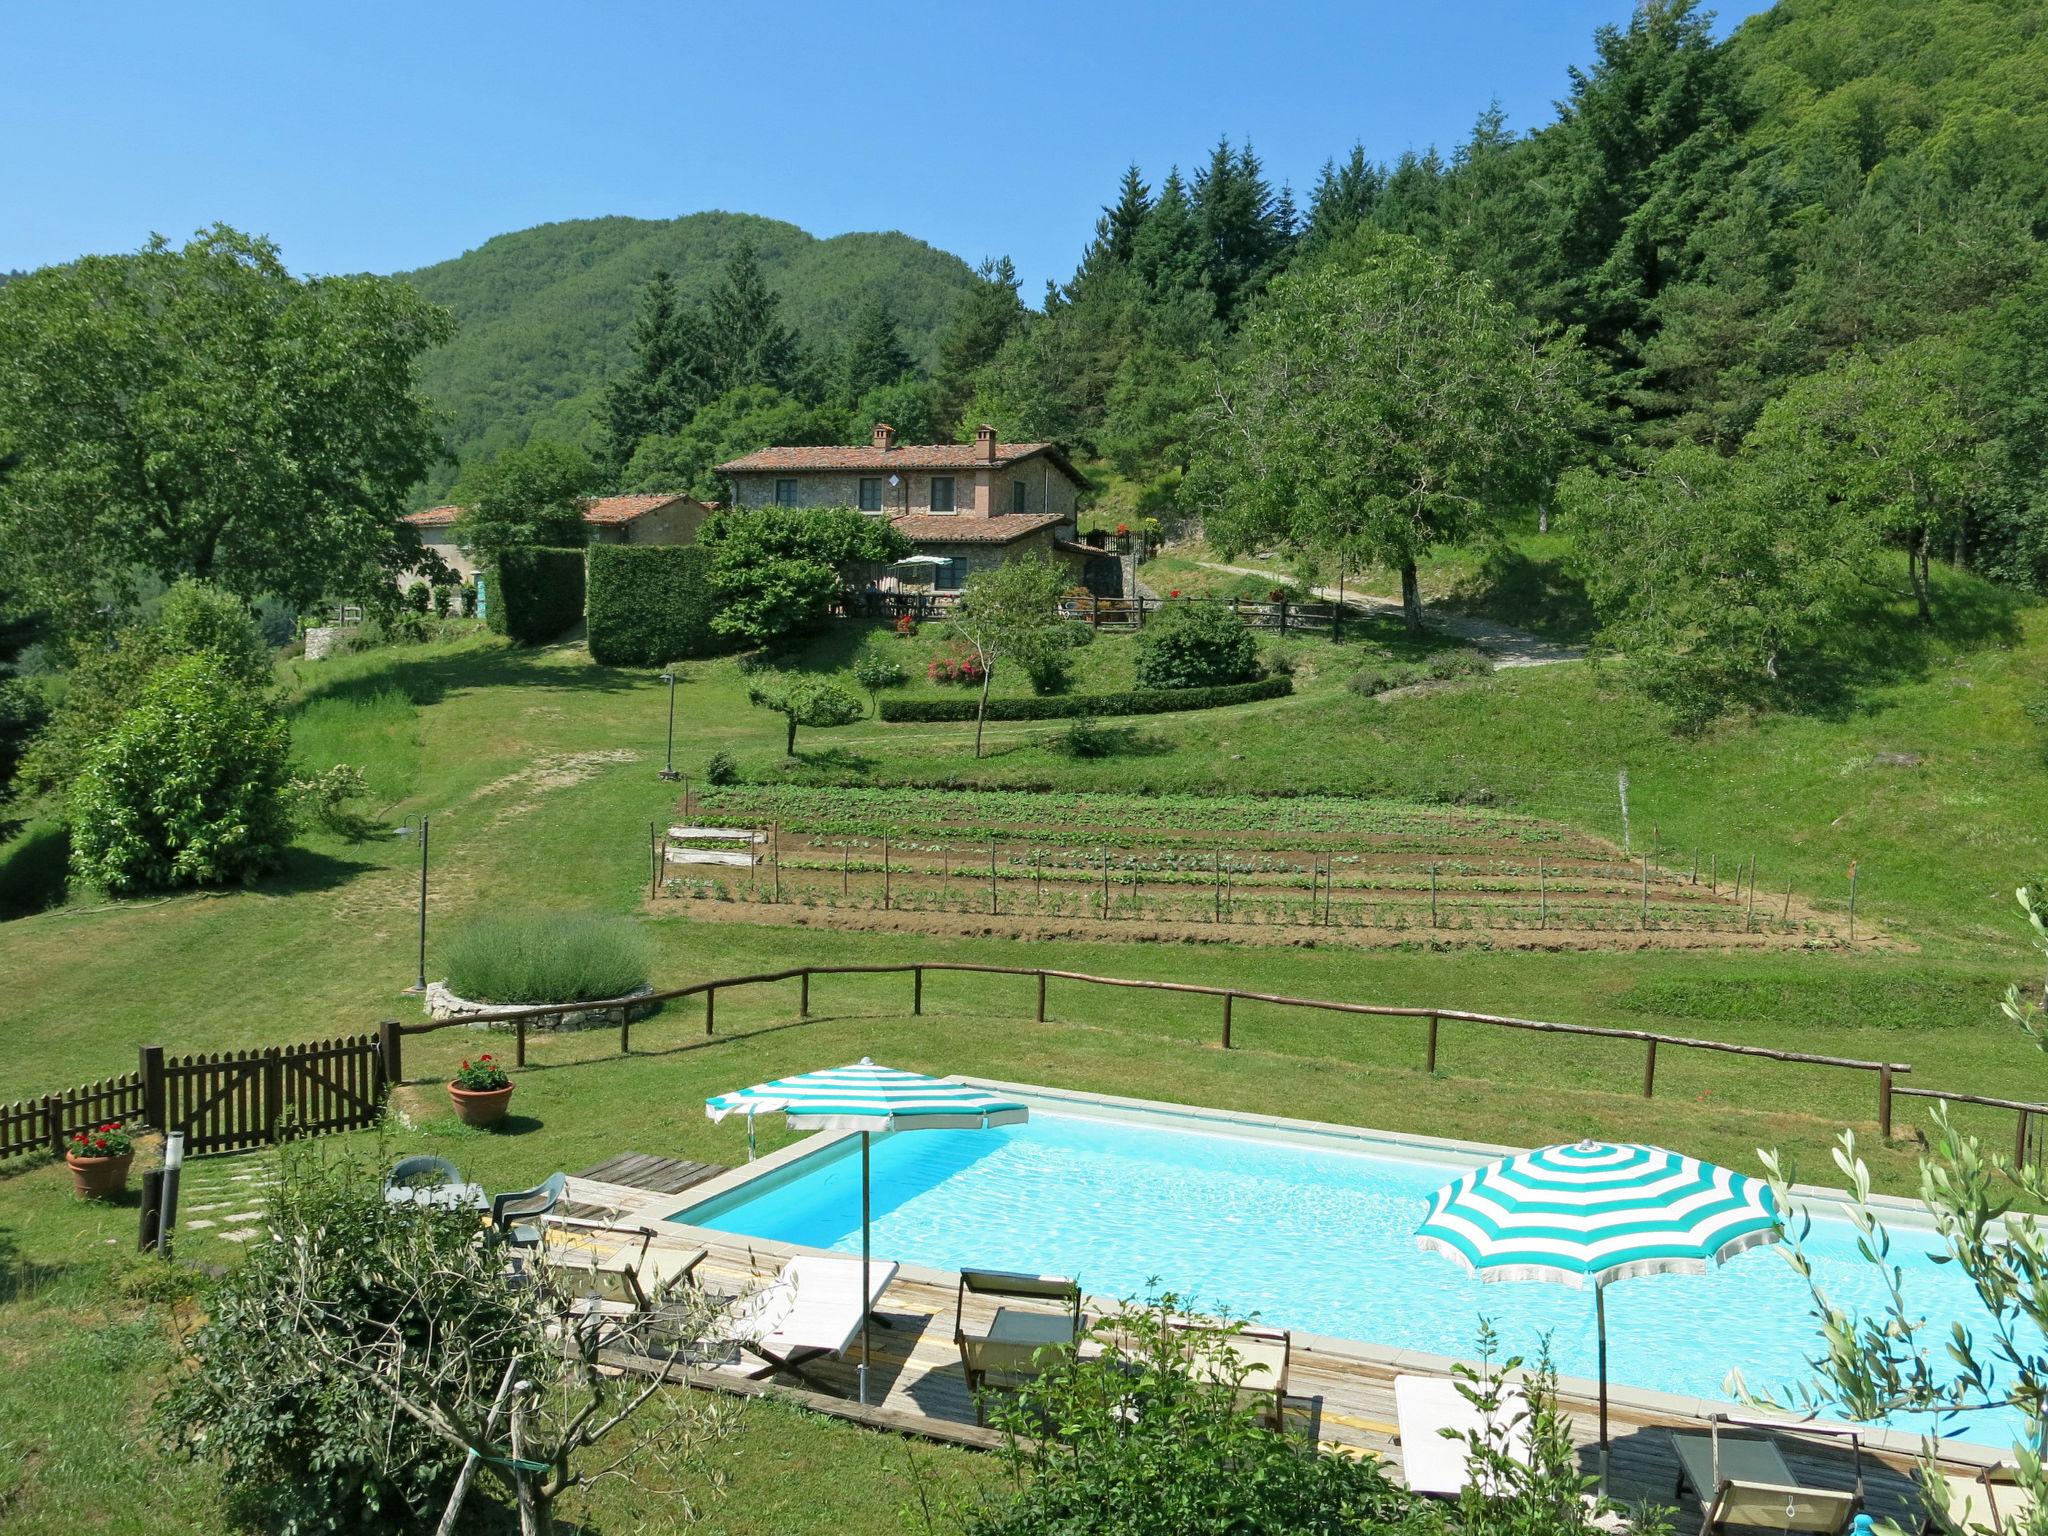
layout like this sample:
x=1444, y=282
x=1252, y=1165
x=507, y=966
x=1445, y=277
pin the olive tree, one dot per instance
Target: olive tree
x=1984, y=1206
x=813, y=701
x=1381, y=403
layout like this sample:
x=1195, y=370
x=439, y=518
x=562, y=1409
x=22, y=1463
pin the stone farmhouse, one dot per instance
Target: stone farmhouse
x=965, y=507
x=610, y=520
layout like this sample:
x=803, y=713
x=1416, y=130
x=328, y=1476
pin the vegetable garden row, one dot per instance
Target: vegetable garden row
x=1175, y=860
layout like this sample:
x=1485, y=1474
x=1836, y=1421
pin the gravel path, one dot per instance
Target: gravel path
x=1508, y=646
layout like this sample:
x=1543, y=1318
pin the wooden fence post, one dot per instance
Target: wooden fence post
x=150, y=1065
x=917, y=989
x=1884, y=1102
x=1542, y=899
x=1041, y=997
x=991, y=877
x=519, y=1042
x=777, y=846
x=1650, y=1070
x=1095, y=610
x=1749, y=919
x=803, y=995
x=1228, y=999
x=1432, y=895
x=653, y=862
x=53, y=1122
x=710, y=1008
x=1216, y=915
x=1429, y=1064
x=2019, y=1139
x=1643, y=915
x=625, y=1029
x=1105, y=884
x=273, y=1092
x=1852, y=901
x=885, y=871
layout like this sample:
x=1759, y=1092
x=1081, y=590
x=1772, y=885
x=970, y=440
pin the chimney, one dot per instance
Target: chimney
x=885, y=436
x=985, y=443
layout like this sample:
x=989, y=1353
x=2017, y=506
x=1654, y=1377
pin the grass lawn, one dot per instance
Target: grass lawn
x=538, y=770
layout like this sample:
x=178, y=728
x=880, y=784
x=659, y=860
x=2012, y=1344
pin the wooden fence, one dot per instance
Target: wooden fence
x=222, y=1102
x=1283, y=615
x=1884, y=1073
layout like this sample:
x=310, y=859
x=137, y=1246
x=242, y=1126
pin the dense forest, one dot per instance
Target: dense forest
x=545, y=314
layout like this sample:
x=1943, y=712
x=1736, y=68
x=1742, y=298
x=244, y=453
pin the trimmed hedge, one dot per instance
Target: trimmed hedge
x=536, y=593
x=650, y=604
x=1066, y=706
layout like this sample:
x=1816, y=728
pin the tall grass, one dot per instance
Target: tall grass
x=547, y=957
x=378, y=733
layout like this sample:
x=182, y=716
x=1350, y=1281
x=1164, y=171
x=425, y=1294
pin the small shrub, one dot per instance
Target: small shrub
x=1087, y=737
x=1464, y=662
x=324, y=800
x=1275, y=662
x=1195, y=645
x=469, y=599
x=189, y=789
x=1383, y=678
x=1047, y=671
x=875, y=672
x=198, y=617
x=444, y=600
x=417, y=597
x=1080, y=634
x=721, y=768
x=547, y=957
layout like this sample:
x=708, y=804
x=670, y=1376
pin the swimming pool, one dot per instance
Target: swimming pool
x=1314, y=1237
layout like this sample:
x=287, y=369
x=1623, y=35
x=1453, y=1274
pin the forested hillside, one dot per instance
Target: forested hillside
x=546, y=314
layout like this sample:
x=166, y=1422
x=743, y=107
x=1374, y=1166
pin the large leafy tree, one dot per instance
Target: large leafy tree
x=1722, y=579
x=1893, y=439
x=529, y=495
x=1382, y=404
x=778, y=570
x=199, y=411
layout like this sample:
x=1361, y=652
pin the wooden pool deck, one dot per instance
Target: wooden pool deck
x=916, y=1387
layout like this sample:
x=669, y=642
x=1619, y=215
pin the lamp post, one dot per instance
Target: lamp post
x=669, y=773
x=420, y=985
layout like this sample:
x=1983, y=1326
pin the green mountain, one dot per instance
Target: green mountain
x=546, y=312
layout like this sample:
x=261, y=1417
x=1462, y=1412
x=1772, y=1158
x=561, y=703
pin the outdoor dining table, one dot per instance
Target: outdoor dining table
x=442, y=1197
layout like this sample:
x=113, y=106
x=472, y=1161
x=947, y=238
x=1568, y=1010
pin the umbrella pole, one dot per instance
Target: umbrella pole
x=1600, y=1315
x=867, y=1299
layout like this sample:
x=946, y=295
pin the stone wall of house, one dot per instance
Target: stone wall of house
x=977, y=493
x=441, y=541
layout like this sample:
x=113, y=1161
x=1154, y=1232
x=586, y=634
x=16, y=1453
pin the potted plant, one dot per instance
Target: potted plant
x=480, y=1092
x=99, y=1160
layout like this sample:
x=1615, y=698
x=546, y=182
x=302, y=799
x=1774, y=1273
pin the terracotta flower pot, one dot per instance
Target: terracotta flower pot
x=98, y=1178
x=480, y=1106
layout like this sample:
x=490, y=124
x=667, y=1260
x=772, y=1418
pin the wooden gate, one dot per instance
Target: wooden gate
x=251, y=1098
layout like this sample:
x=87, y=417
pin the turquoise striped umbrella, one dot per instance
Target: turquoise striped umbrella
x=868, y=1098
x=1594, y=1213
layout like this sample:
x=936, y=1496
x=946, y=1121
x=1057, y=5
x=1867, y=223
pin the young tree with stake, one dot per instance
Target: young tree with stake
x=1010, y=613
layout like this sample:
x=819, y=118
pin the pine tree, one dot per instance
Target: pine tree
x=748, y=343
x=1167, y=252
x=1234, y=215
x=1343, y=199
x=986, y=316
x=874, y=353
x=666, y=382
x=1116, y=232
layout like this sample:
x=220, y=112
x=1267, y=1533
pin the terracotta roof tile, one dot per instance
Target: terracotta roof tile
x=605, y=510
x=905, y=456
x=928, y=528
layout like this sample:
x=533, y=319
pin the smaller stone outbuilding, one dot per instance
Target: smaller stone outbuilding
x=652, y=519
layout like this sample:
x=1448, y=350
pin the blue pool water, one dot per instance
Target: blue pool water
x=1312, y=1239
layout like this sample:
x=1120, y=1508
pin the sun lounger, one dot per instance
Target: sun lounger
x=1435, y=1462
x=1990, y=1498
x=1005, y=1353
x=1263, y=1356
x=618, y=1269
x=811, y=1310
x=1743, y=1480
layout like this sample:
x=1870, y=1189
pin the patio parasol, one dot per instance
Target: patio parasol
x=1593, y=1213
x=868, y=1098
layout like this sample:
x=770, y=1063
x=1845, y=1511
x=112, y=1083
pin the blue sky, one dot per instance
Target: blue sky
x=377, y=136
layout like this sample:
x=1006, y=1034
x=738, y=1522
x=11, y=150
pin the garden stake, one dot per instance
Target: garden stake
x=1788, y=900
x=1105, y=883
x=885, y=871
x=1852, y=901
x=1749, y=922
x=991, y=877
x=778, y=863
x=1714, y=876
x=1217, y=914
x=1643, y=915
x=842, y=869
x=1542, y=900
x=1432, y=895
x=1695, y=866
